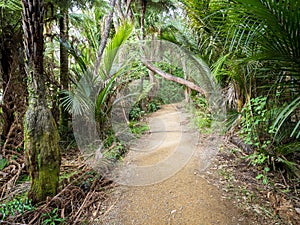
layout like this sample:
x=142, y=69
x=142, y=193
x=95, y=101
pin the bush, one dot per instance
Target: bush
x=257, y=131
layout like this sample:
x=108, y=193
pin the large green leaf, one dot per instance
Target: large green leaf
x=280, y=38
x=285, y=114
x=113, y=46
x=14, y=5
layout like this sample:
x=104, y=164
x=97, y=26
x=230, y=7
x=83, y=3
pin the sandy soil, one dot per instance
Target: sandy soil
x=181, y=197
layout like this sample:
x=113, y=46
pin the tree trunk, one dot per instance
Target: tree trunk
x=105, y=36
x=170, y=77
x=187, y=90
x=144, y=7
x=40, y=132
x=151, y=74
x=42, y=152
x=64, y=66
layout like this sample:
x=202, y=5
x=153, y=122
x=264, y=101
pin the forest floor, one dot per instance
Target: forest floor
x=171, y=175
x=197, y=193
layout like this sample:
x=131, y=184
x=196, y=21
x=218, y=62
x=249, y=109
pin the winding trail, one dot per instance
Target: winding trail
x=176, y=193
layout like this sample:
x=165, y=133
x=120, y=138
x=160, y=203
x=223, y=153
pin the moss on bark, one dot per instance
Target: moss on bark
x=42, y=152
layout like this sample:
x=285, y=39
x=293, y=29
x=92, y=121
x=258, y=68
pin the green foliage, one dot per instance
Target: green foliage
x=257, y=129
x=260, y=160
x=208, y=19
x=3, y=163
x=14, y=5
x=169, y=92
x=17, y=205
x=254, y=124
x=112, y=47
x=285, y=114
x=114, y=153
x=263, y=176
x=175, y=71
x=110, y=139
x=136, y=113
x=153, y=105
x=102, y=106
x=138, y=128
x=23, y=178
x=83, y=98
x=52, y=218
x=202, y=117
x=203, y=122
x=113, y=149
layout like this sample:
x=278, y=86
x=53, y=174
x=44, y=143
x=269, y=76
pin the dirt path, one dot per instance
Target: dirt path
x=178, y=195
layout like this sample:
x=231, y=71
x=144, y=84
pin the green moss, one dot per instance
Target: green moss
x=42, y=153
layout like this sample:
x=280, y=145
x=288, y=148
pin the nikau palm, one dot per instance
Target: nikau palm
x=254, y=52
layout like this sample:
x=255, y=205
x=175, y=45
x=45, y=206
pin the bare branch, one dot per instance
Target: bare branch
x=170, y=77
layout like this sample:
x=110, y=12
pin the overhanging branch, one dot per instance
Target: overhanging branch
x=170, y=77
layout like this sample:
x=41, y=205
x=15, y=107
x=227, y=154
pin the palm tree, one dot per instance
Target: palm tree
x=63, y=21
x=255, y=55
x=276, y=41
x=41, y=135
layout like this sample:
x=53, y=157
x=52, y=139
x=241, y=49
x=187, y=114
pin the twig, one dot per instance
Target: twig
x=283, y=179
x=56, y=196
x=78, y=213
x=110, y=208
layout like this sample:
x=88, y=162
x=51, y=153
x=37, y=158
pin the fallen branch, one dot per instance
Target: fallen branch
x=170, y=77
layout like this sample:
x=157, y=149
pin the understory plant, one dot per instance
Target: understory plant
x=52, y=218
x=203, y=118
x=259, y=131
x=14, y=207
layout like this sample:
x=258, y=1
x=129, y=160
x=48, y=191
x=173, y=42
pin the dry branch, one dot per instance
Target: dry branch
x=170, y=77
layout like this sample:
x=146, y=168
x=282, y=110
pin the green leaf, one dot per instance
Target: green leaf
x=14, y=5
x=259, y=176
x=113, y=46
x=285, y=114
x=3, y=163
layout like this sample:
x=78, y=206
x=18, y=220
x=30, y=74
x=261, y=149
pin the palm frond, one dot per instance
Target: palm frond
x=281, y=19
x=78, y=101
x=285, y=114
x=113, y=46
x=14, y=5
x=217, y=67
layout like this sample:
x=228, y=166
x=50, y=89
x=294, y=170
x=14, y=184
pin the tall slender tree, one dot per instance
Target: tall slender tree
x=40, y=132
x=64, y=59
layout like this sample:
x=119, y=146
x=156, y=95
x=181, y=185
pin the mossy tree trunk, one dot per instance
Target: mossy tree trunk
x=42, y=152
x=40, y=131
